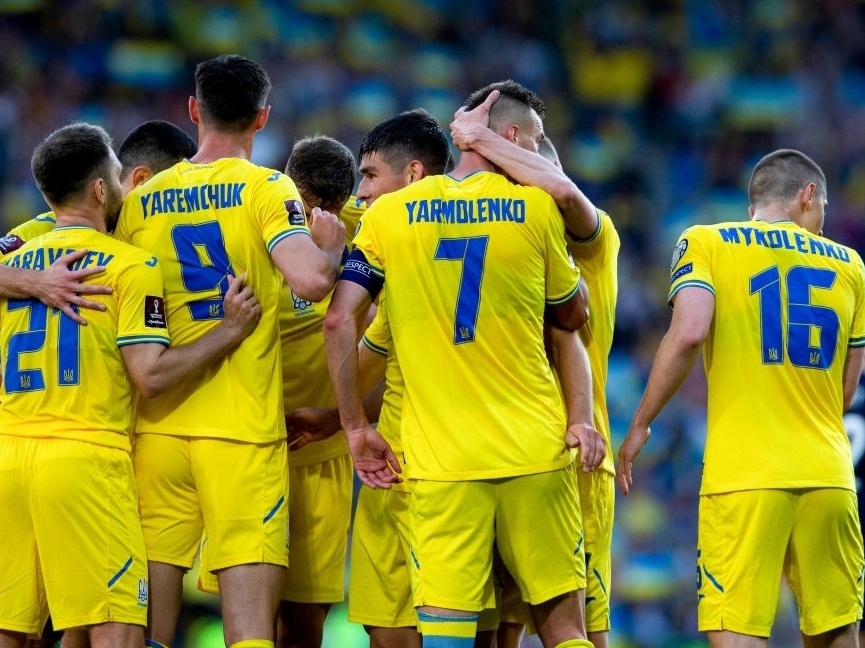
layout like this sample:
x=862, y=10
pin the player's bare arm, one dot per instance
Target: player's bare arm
x=572, y=313
x=57, y=286
x=374, y=460
x=469, y=131
x=155, y=368
x=309, y=424
x=571, y=363
x=677, y=353
x=310, y=265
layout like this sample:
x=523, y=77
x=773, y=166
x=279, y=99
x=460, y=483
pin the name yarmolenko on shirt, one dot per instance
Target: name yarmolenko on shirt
x=458, y=210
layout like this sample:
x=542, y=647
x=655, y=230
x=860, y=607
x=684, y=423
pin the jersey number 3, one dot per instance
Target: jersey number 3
x=802, y=317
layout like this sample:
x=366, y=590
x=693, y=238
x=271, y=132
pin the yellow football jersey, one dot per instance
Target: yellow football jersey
x=27, y=231
x=305, y=379
x=469, y=267
x=69, y=381
x=597, y=258
x=787, y=306
x=204, y=222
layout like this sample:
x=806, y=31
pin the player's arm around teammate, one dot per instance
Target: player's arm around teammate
x=59, y=285
x=155, y=368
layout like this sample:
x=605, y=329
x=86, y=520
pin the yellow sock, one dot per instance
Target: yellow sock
x=252, y=643
x=576, y=643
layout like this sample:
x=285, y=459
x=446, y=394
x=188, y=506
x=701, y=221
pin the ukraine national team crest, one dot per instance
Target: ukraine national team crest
x=678, y=253
x=301, y=305
x=142, y=592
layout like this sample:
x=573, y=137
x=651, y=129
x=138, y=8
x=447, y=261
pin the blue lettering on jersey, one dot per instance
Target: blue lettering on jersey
x=461, y=211
x=36, y=259
x=784, y=240
x=189, y=199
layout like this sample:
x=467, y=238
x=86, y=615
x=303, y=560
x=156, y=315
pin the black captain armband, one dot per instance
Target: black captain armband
x=358, y=270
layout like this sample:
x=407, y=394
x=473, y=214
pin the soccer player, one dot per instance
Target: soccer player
x=469, y=263
x=779, y=313
x=594, y=244
x=211, y=456
x=68, y=402
x=148, y=149
x=320, y=474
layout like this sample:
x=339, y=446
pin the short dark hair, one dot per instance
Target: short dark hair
x=322, y=167
x=512, y=106
x=69, y=159
x=155, y=144
x=411, y=135
x=780, y=175
x=231, y=90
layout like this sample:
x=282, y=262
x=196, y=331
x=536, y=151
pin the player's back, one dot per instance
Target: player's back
x=469, y=268
x=205, y=222
x=69, y=381
x=787, y=305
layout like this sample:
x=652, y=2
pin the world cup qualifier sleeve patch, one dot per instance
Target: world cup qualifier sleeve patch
x=295, y=212
x=154, y=312
x=678, y=253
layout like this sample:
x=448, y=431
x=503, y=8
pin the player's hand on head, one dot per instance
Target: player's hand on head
x=307, y=425
x=374, y=461
x=467, y=123
x=61, y=287
x=628, y=451
x=591, y=443
x=241, y=310
x=327, y=230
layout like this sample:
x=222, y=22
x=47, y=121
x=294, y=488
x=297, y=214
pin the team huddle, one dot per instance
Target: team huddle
x=230, y=344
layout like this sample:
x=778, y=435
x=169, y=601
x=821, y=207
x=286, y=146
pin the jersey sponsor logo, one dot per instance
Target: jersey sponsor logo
x=685, y=269
x=223, y=195
x=678, y=253
x=783, y=239
x=461, y=211
x=295, y=212
x=154, y=312
x=10, y=243
x=273, y=177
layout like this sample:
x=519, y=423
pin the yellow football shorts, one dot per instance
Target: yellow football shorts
x=533, y=519
x=747, y=540
x=379, y=583
x=233, y=490
x=70, y=534
x=320, y=512
x=597, y=492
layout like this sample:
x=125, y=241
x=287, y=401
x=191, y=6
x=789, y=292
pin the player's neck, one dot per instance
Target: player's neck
x=216, y=145
x=772, y=214
x=76, y=216
x=470, y=162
